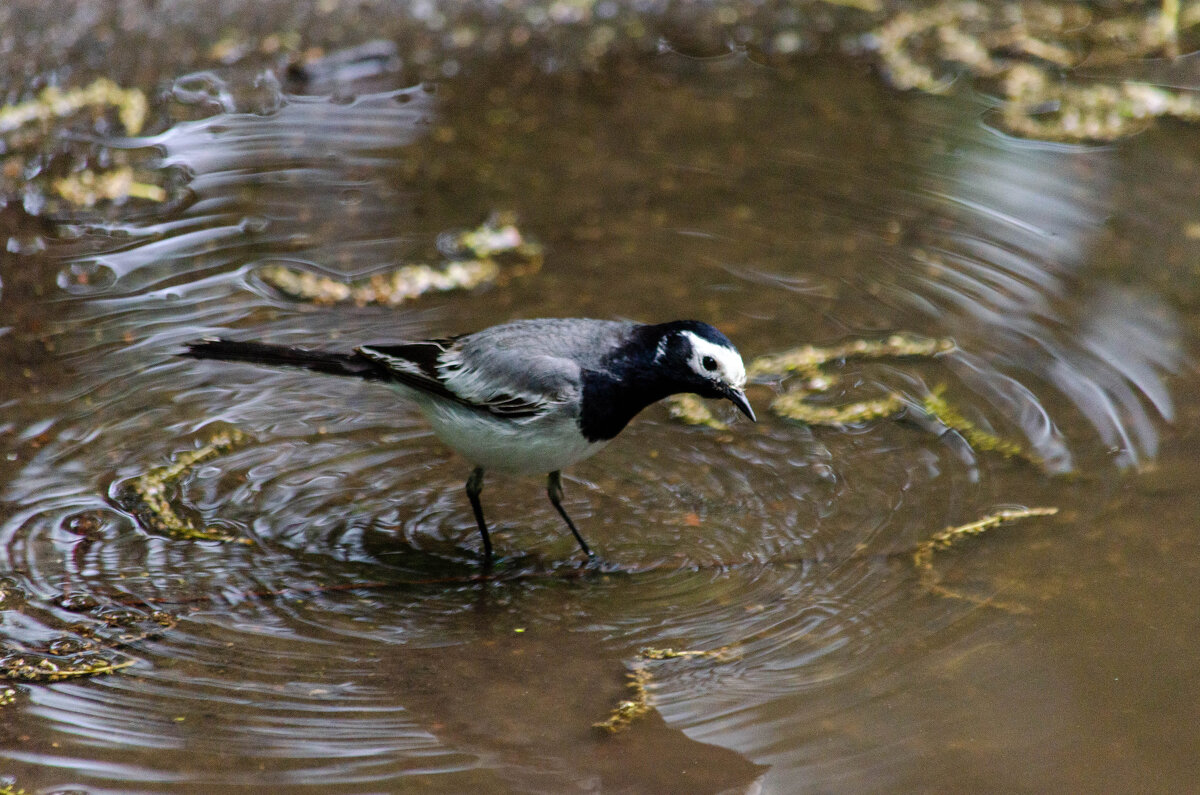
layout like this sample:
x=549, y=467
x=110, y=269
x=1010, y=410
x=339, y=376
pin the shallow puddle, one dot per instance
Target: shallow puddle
x=345, y=640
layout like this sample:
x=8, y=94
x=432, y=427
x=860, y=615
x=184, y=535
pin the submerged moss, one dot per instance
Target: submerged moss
x=390, y=289
x=29, y=667
x=87, y=188
x=692, y=410
x=722, y=654
x=54, y=103
x=809, y=359
x=639, y=676
x=1029, y=50
x=805, y=364
x=1087, y=112
x=482, y=252
x=148, y=496
x=793, y=405
x=629, y=710
x=922, y=556
x=87, y=649
x=979, y=439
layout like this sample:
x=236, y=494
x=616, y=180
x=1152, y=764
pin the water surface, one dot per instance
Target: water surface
x=786, y=208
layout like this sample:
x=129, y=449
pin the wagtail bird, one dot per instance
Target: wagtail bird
x=530, y=396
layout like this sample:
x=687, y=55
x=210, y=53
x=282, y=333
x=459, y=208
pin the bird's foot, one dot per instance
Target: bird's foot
x=593, y=564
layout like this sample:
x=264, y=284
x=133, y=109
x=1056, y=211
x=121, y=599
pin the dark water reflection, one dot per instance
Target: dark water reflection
x=786, y=211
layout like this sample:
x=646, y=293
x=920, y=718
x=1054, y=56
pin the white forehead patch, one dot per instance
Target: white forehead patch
x=730, y=369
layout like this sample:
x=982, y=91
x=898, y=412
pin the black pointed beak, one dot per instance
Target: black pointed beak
x=738, y=398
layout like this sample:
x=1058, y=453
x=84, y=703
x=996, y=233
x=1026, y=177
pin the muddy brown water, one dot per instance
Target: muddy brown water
x=784, y=207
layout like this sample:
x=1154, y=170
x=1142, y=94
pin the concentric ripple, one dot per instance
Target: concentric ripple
x=349, y=638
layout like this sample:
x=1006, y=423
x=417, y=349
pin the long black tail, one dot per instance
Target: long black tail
x=351, y=364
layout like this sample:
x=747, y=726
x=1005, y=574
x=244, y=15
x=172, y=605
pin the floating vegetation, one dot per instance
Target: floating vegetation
x=479, y=255
x=7, y=696
x=85, y=648
x=806, y=364
x=629, y=710
x=148, y=496
x=9, y=786
x=936, y=405
x=87, y=188
x=809, y=359
x=922, y=556
x=88, y=649
x=54, y=103
x=391, y=288
x=28, y=126
x=921, y=48
x=1029, y=51
x=692, y=410
x=1092, y=112
x=639, y=676
x=722, y=654
x=27, y=667
x=794, y=405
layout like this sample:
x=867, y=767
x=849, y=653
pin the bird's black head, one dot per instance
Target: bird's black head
x=657, y=361
x=702, y=360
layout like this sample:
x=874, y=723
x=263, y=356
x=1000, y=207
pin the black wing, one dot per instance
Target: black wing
x=414, y=364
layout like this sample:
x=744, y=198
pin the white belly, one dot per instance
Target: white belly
x=538, y=446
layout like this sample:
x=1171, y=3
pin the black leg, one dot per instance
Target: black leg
x=474, y=486
x=554, y=492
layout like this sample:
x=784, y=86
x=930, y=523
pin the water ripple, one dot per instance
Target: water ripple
x=351, y=640
x=261, y=181
x=1000, y=261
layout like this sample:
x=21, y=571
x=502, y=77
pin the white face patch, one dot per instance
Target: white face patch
x=729, y=368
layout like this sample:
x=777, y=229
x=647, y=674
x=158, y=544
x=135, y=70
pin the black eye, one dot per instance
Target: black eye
x=709, y=363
